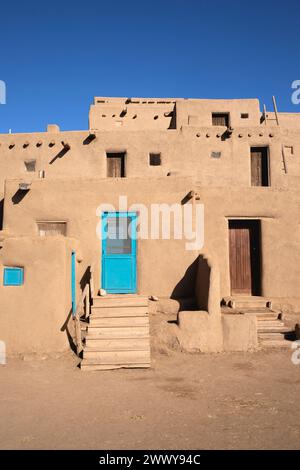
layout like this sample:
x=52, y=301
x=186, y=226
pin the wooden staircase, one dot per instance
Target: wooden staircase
x=117, y=335
x=271, y=330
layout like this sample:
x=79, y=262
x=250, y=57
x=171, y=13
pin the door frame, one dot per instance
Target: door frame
x=254, y=225
x=119, y=214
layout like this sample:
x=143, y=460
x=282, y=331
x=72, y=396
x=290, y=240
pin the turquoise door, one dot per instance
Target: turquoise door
x=119, y=252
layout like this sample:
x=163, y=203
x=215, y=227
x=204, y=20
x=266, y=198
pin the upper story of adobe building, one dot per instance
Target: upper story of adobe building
x=217, y=142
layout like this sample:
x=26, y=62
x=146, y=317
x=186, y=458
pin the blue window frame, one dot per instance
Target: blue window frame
x=13, y=276
x=73, y=282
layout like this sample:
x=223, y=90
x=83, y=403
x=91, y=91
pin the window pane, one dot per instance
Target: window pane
x=118, y=239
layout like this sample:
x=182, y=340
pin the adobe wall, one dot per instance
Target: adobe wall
x=164, y=267
x=33, y=315
x=278, y=211
x=185, y=150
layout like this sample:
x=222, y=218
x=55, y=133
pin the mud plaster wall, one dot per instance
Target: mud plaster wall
x=164, y=267
x=32, y=315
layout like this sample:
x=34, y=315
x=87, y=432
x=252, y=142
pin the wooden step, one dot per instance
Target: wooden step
x=273, y=329
x=119, y=332
x=267, y=322
x=117, y=357
x=119, y=322
x=116, y=344
x=270, y=336
x=89, y=366
x=120, y=301
x=276, y=343
x=111, y=312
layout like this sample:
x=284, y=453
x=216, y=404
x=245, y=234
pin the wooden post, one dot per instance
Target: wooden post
x=265, y=114
x=92, y=287
x=275, y=109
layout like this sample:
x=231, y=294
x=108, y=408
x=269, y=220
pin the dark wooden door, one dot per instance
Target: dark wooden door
x=259, y=166
x=244, y=253
x=115, y=165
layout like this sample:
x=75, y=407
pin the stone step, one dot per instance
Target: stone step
x=249, y=302
x=117, y=357
x=111, y=312
x=119, y=322
x=120, y=301
x=118, y=332
x=262, y=313
x=117, y=344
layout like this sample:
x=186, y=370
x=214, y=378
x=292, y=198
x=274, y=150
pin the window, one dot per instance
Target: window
x=118, y=236
x=115, y=165
x=47, y=228
x=216, y=154
x=288, y=150
x=155, y=159
x=220, y=119
x=259, y=166
x=13, y=276
x=244, y=116
x=30, y=165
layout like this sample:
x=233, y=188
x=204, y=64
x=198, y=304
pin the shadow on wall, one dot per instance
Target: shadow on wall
x=85, y=278
x=60, y=154
x=202, y=283
x=68, y=327
x=19, y=196
x=185, y=288
x=1, y=213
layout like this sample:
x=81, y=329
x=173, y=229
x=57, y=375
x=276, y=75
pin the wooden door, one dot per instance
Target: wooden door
x=259, y=166
x=115, y=165
x=244, y=252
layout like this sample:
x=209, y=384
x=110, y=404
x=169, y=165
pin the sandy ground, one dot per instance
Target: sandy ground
x=185, y=401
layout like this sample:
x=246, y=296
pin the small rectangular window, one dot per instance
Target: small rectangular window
x=47, y=228
x=115, y=165
x=30, y=165
x=13, y=276
x=216, y=154
x=155, y=159
x=220, y=119
x=244, y=115
x=288, y=150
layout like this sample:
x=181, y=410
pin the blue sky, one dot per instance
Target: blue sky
x=57, y=55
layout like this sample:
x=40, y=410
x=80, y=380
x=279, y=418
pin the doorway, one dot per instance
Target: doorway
x=245, y=257
x=119, y=252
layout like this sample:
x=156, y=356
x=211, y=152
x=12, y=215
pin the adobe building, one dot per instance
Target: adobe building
x=241, y=165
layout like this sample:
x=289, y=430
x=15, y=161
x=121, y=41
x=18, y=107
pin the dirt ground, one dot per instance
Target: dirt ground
x=185, y=401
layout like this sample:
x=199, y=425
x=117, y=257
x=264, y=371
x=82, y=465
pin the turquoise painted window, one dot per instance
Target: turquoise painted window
x=13, y=277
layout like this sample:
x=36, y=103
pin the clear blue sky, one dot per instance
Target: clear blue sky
x=57, y=55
